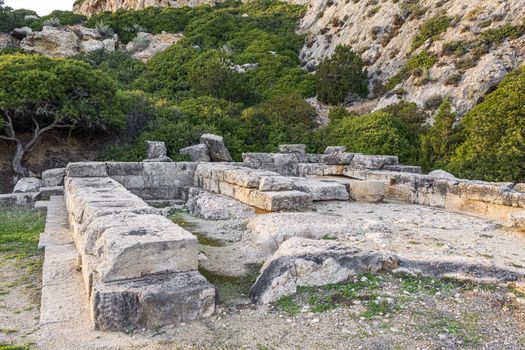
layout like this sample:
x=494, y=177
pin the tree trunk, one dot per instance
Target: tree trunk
x=16, y=163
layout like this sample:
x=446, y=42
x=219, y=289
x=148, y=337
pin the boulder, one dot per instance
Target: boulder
x=297, y=148
x=335, y=150
x=146, y=45
x=91, y=45
x=441, y=174
x=86, y=34
x=8, y=42
x=52, y=42
x=216, y=147
x=54, y=177
x=368, y=190
x=157, y=152
x=110, y=45
x=21, y=33
x=197, y=153
x=28, y=184
x=268, y=232
x=211, y=206
x=303, y=262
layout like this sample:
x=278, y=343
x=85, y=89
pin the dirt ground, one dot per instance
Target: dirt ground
x=368, y=312
x=19, y=299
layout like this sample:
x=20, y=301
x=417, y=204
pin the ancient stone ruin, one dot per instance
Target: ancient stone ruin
x=141, y=270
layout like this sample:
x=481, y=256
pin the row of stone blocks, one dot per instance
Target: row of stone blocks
x=139, y=268
x=500, y=201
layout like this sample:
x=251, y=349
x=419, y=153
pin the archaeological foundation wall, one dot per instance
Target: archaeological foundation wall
x=140, y=270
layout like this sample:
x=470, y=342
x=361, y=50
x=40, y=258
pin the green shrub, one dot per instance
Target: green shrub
x=119, y=65
x=376, y=133
x=430, y=29
x=339, y=75
x=438, y=144
x=65, y=18
x=11, y=19
x=494, y=135
x=415, y=64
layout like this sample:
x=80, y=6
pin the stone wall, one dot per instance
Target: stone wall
x=498, y=201
x=138, y=267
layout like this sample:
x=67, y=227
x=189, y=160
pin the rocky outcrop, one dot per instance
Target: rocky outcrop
x=91, y=7
x=58, y=42
x=147, y=45
x=8, y=42
x=382, y=33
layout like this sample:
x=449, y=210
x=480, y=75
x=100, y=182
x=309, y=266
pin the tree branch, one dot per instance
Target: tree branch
x=38, y=132
x=7, y=138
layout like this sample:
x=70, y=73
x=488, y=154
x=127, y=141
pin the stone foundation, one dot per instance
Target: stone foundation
x=139, y=268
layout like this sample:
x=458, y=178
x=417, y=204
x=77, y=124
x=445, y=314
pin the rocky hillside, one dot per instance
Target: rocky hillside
x=460, y=48
x=91, y=7
x=416, y=50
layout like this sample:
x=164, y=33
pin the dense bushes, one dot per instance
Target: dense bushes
x=339, y=75
x=439, y=142
x=494, y=135
x=11, y=19
x=65, y=18
x=390, y=131
x=119, y=65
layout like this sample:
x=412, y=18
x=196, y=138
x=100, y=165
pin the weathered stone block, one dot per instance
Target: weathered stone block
x=28, y=184
x=197, y=153
x=322, y=190
x=275, y=183
x=302, y=262
x=334, y=149
x=368, y=190
x=216, y=147
x=361, y=161
x=87, y=169
x=292, y=148
x=403, y=168
x=277, y=201
x=156, y=149
x=53, y=177
x=152, y=301
x=144, y=245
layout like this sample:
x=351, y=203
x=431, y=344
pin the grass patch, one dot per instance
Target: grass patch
x=207, y=241
x=232, y=287
x=288, y=305
x=19, y=232
x=13, y=347
x=181, y=221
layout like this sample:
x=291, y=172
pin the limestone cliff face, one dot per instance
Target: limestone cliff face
x=91, y=7
x=382, y=31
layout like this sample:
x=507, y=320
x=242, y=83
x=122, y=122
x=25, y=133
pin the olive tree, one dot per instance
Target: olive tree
x=40, y=94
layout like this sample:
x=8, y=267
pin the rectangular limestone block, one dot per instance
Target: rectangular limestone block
x=367, y=190
x=144, y=245
x=279, y=200
x=371, y=162
x=403, y=168
x=150, y=302
x=87, y=169
x=322, y=190
x=276, y=183
x=175, y=174
x=125, y=168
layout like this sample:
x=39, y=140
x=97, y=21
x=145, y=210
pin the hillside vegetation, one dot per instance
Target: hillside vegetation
x=237, y=73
